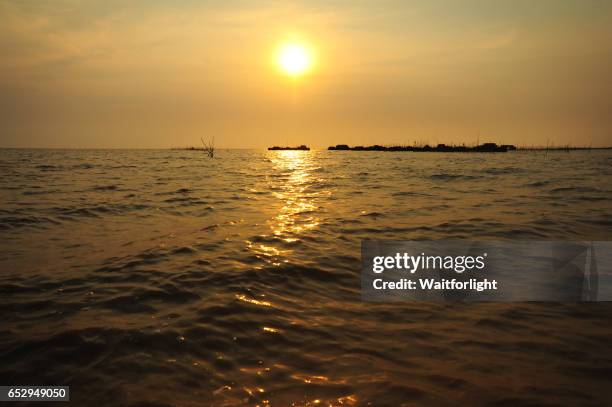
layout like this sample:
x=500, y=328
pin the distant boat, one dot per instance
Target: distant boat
x=301, y=148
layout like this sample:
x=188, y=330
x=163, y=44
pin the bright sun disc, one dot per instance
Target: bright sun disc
x=294, y=59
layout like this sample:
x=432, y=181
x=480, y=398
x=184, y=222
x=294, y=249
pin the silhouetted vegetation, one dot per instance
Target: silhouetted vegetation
x=482, y=148
x=209, y=147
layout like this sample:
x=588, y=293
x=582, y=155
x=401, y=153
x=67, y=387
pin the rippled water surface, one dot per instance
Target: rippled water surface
x=163, y=278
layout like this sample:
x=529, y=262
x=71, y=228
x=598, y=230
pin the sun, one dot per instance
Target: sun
x=294, y=59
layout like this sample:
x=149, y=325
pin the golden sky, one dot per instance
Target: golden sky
x=152, y=73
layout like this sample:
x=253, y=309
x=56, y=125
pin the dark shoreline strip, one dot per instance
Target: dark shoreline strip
x=483, y=148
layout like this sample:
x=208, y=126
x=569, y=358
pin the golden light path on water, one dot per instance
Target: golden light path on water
x=297, y=200
x=296, y=187
x=296, y=212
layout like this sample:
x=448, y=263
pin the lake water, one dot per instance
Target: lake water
x=157, y=277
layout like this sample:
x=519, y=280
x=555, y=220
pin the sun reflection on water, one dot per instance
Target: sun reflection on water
x=297, y=213
x=294, y=185
x=244, y=298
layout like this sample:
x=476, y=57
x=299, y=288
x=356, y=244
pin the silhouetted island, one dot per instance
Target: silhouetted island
x=482, y=148
x=302, y=147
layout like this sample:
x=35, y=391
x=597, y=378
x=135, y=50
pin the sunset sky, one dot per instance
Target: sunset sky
x=158, y=73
